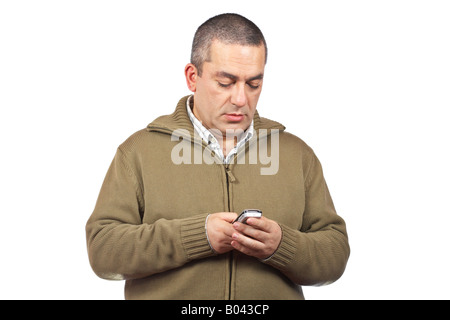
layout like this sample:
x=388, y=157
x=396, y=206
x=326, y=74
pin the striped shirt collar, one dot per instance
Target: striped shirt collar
x=209, y=138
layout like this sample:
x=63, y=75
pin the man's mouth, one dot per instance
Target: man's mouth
x=234, y=117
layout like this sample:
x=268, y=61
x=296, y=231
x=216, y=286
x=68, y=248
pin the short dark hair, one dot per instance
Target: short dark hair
x=229, y=28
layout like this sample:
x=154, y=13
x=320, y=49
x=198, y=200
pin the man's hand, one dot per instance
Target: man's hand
x=220, y=230
x=259, y=238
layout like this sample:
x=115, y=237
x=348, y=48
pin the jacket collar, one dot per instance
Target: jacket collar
x=179, y=119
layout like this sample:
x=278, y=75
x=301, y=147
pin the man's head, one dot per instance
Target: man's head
x=228, y=28
x=226, y=72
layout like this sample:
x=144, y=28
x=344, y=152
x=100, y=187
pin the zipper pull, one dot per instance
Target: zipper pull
x=231, y=177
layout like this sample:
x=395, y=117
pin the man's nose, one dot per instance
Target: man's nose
x=239, y=97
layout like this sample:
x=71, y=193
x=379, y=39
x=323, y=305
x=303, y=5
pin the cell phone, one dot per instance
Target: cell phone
x=248, y=213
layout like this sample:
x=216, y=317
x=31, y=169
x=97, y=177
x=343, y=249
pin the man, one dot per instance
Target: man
x=164, y=219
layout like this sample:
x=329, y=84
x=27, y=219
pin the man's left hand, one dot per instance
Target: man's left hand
x=259, y=238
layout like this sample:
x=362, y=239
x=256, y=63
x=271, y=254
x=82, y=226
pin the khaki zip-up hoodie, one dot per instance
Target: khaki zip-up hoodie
x=148, y=226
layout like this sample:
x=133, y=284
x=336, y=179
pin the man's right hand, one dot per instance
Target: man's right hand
x=220, y=231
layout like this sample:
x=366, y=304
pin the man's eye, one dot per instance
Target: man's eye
x=253, y=86
x=224, y=85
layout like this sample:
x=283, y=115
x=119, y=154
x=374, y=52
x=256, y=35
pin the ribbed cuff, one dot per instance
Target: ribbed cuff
x=194, y=238
x=286, y=250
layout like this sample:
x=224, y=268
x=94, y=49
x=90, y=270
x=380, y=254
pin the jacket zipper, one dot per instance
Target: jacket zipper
x=230, y=178
x=230, y=265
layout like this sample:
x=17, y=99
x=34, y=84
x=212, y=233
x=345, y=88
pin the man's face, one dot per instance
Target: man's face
x=227, y=93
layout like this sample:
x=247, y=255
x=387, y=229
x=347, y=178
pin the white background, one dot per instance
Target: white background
x=364, y=83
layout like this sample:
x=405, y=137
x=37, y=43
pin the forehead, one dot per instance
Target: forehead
x=236, y=59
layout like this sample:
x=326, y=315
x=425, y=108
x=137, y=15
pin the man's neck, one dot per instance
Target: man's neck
x=228, y=140
x=227, y=143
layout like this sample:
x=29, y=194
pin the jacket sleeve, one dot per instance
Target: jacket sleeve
x=316, y=254
x=120, y=246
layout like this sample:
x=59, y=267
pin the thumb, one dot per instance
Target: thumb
x=229, y=216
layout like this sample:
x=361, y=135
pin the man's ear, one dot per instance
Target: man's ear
x=191, y=73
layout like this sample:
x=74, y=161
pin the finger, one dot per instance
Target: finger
x=219, y=230
x=229, y=216
x=247, y=242
x=228, y=230
x=248, y=246
x=250, y=231
x=238, y=246
x=260, y=223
